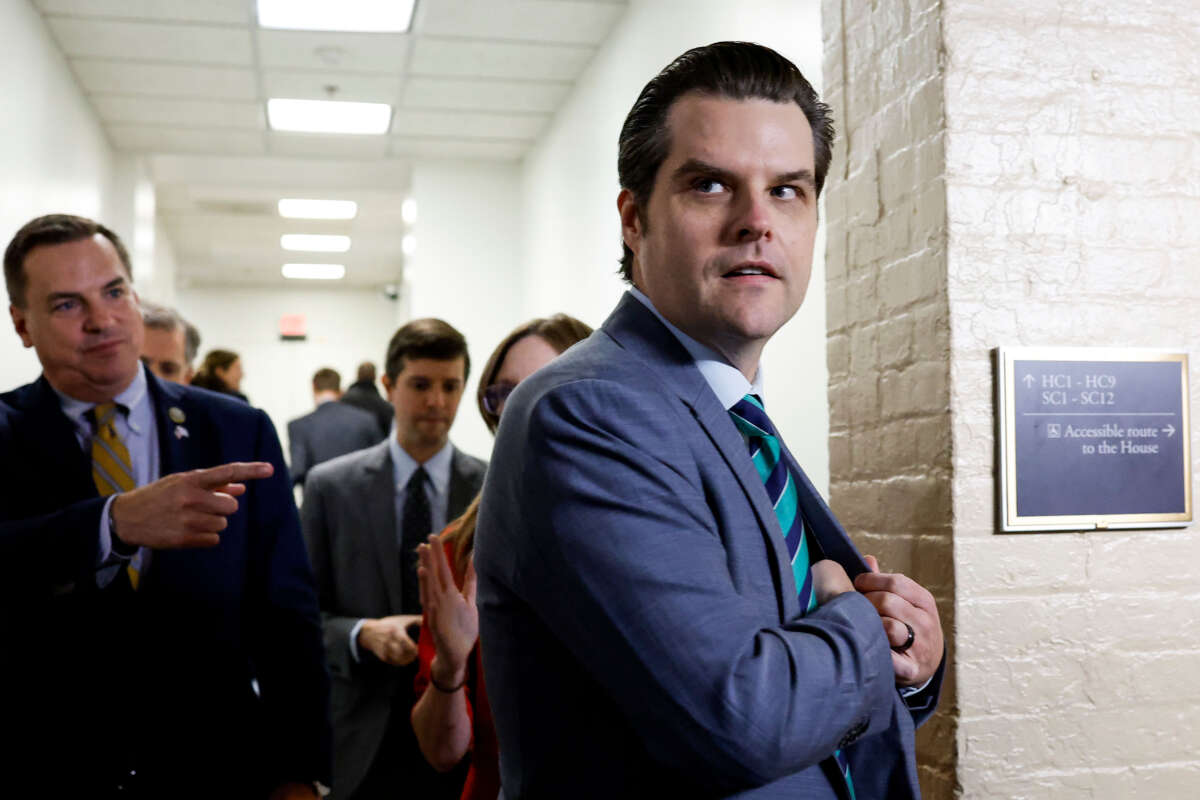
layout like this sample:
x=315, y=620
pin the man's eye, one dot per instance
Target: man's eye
x=708, y=186
x=787, y=192
x=116, y=291
x=64, y=305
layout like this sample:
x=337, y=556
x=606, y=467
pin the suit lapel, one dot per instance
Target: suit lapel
x=380, y=502
x=830, y=536
x=176, y=453
x=462, y=490
x=56, y=450
x=635, y=328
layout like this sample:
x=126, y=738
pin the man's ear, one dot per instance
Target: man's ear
x=386, y=383
x=20, y=325
x=631, y=221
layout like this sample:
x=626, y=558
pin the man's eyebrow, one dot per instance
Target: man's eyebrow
x=804, y=176
x=115, y=282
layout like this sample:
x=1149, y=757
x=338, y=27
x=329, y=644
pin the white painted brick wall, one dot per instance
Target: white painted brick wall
x=887, y=318
x=1016, y=172
x=1072, y=158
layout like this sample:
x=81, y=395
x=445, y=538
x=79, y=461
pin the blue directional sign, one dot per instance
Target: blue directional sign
x=1093, y=438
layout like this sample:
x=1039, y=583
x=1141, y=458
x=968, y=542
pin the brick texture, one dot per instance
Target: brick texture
x=1021, y=172
x=891, y=462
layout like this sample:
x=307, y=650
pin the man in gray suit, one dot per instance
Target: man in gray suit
x=363, y=516
x=331, y=430
x=666, y=603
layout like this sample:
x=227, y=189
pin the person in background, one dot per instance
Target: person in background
x=363, y=516
x=455, y=717
x=363, y=394
x=331, y=430
x=221, y=371
x=160, y=625
x=169, y=346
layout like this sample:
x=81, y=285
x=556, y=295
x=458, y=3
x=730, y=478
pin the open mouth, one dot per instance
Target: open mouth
x=756, y=270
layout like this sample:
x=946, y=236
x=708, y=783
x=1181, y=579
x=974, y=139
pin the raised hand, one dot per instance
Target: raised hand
x=450, y=614
x=902, y=604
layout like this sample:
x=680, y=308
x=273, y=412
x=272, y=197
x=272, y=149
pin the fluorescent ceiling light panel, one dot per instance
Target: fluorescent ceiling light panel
x=408, y=210
x=370, y=16
x=296, y=208
x=408, y=245
x=315, y=242
x=314, y=272
x=328, y=116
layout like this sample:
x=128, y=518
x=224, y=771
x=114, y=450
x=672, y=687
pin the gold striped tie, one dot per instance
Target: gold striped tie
x=111, y=467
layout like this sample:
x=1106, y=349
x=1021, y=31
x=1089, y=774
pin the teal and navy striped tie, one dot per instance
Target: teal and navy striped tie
x=766, y=453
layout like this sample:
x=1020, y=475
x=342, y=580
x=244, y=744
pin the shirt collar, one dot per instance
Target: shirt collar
x=727, y=381
x=132, y=398
x=437, y=467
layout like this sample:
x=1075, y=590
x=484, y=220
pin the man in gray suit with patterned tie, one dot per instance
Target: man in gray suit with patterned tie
x=667, y=606
x=363, y=516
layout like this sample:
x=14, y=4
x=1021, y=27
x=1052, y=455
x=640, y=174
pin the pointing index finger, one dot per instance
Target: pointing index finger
x=234, y=472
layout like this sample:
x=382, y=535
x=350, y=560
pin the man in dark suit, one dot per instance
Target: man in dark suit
x=666, y=603
x=363, y=394
x=161, y=628
x=364, y=515
x=332, y=430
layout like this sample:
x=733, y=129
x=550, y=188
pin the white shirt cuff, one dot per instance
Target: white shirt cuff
x=354, y=641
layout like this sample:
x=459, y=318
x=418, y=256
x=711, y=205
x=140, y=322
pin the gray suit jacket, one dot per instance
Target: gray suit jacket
x=328, y=431
x=640, y=627
x=349, y=523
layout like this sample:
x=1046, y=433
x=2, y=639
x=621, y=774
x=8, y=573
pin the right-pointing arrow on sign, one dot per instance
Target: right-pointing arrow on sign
x=1170, y=429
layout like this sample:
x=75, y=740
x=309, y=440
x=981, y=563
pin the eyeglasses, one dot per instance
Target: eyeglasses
x=495, y=395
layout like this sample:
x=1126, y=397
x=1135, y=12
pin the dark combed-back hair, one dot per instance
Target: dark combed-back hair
x=327, y=379
x=425, y=338
x=560, y=332
x=48, y=230
x=736, y=70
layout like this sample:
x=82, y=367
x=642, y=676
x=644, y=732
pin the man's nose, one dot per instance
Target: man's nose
x=752, y=218
x=97, y=317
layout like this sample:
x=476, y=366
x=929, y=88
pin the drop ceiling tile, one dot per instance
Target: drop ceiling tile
x=354, y=52
x=308, y=85
x=141, y=138
x=464, y=57
x=484, y=95
x=165, y=80
x=231, y=12
x=327, y=145
x=459, y=148
x=468, y=125
x=162, y=111
x=82, y=38
x=563, y=21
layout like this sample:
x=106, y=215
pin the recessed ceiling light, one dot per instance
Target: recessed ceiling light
x=408, y=245
x=295, y=208
x=371, y=16
x=408, y=210
x=314, y=272
x=328, y=116
x=315, y=242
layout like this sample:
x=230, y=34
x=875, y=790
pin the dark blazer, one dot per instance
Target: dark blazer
x=364, y=395
x=102, y=682
x=349, y=522
x=640, y=627
x=328, y=431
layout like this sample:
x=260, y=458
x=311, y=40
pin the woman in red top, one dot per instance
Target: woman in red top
x=455, y=717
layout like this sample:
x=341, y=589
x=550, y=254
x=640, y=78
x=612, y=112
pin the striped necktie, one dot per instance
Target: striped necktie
x=766, y=452
x=112, y=469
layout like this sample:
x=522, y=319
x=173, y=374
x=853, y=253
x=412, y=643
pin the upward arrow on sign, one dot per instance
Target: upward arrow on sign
x=1028, y=381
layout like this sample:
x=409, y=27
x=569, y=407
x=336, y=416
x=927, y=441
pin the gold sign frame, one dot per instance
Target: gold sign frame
x=1009, y=521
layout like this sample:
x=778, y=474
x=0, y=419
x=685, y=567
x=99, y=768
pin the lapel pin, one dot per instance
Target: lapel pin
x=176, y=414
x=181, y=432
